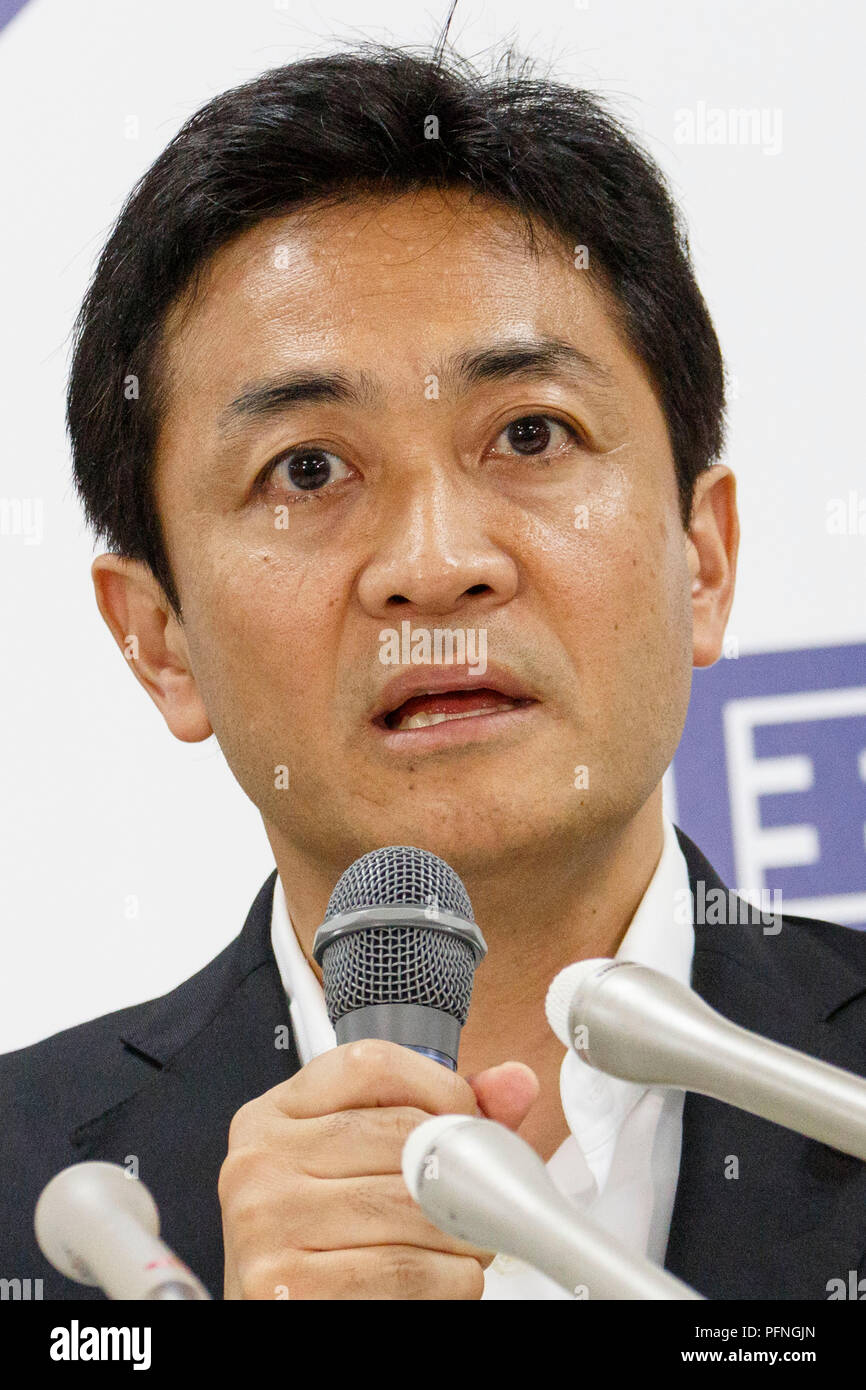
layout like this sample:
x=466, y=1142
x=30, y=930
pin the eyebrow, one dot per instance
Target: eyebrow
x=532, y=357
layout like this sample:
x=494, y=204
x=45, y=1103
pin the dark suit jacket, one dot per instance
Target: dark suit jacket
x=162, y=1080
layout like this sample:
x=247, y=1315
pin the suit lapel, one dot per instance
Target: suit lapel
x=219, y=1040
x=761, y=1212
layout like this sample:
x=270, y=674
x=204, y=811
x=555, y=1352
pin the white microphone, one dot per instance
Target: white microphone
x=479, y=1181
x=636, y=1023
x=98, y=1225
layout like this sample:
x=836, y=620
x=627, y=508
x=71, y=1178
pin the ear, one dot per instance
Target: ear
x=712, y=542
x=152, y=639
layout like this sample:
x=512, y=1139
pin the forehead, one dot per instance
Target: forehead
x=387, y=286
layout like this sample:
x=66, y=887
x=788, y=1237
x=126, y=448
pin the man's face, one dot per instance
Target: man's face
x=536, y=506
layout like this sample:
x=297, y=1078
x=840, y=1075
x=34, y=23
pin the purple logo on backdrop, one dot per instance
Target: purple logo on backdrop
x=770, y=777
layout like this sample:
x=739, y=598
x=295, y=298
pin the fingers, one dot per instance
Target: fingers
x=506, y=1093
x=349, y=1143
x=382, y=1273
x=338, y=1213
x=313, y=1199
x=370, y=1073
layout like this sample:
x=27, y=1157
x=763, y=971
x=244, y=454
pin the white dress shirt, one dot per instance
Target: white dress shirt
x=621, y=1160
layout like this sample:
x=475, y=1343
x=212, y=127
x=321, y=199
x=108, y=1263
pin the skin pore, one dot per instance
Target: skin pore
x=432, y=511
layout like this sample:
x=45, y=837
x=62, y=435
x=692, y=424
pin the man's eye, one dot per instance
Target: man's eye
x=311, y=469
x=532, y=434
x=308, y=470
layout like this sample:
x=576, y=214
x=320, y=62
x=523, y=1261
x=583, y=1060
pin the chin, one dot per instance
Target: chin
x=475, y=832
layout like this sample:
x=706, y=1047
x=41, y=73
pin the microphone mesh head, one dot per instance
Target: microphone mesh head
x=412, y=964
x=400, y=876
x=398, y=965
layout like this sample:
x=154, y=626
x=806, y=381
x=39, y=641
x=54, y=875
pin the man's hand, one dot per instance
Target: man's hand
x=313, y=1198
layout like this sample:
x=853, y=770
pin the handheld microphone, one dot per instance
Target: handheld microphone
x=398, y=948
x=479, y=1181
x=639, y=1024
x=96, y=1224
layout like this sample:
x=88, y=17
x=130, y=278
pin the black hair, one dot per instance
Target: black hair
x=333, y=128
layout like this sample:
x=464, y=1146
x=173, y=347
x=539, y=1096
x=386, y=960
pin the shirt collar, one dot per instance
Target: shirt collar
x=660, y=935
x=314, y=1031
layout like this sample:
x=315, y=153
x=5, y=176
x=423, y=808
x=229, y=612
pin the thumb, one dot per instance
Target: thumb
x=506, y=1093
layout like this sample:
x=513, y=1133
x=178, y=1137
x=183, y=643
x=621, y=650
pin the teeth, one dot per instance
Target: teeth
x=423, y=720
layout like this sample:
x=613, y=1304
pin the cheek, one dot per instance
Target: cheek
x=615, y=585
x=617, y=548
x=259, y=636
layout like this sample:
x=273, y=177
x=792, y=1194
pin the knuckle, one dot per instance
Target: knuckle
x=463, y=1100
x=238, y=1170
x=367, y=1202
x=226, y=1179
x=339, y=1125
x=243, y=1211
x=471, y=1273
x=241, y=1124
x=400, y=1196
x=263, y=1279
x=252, y=1180
x=407, y=1268
x=404, y=1120
x=371, y=1054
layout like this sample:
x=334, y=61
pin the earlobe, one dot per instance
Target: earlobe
x=152, y=641
x=711, y=547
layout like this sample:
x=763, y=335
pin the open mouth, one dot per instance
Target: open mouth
x=438, y=707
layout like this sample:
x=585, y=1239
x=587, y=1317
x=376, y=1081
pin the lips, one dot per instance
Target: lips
x=423, y=710
x=416, y=700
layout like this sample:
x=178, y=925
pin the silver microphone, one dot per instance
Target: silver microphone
x=479, y=1181
x=641, y=1025
x=98, y=1225
x=399, y=948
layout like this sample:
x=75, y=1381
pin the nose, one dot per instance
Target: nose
x=434, y=555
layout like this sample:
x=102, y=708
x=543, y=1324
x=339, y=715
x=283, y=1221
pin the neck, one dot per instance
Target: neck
x=578, y=909
x=538, y=913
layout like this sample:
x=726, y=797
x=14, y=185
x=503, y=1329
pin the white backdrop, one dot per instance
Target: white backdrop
x=128, y=858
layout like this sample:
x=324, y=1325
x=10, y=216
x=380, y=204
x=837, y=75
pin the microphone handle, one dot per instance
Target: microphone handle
x=485, y=1184
x=674, y=1038
x=129, y=1263
x=575, y=1254
x=178, y=1289
x=440, y=1057
x=415, y=1026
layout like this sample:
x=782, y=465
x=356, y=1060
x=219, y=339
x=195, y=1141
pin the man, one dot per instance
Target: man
x=377, y=343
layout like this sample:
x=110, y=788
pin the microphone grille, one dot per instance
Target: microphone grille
x=399, y=965
x=400, y=876
x=415, y=963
